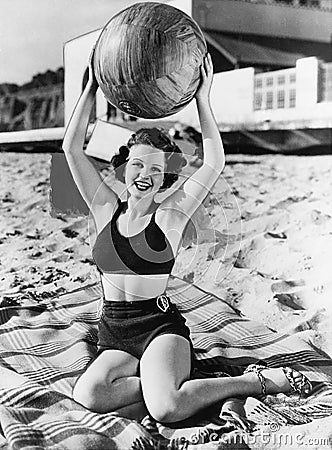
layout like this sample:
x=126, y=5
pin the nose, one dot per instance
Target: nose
x=145, y=172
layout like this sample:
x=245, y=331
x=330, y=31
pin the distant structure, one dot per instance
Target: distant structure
x=272, y=60
x=272, y=89
x=37, y=104
x=265, y=34
x=273, y=74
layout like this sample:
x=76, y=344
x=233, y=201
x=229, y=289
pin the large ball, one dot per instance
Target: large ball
x=147, y=60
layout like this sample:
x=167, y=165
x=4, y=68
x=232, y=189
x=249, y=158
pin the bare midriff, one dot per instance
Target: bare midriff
x=120, y=287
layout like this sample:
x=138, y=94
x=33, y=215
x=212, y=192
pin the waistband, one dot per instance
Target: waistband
x=161, y=303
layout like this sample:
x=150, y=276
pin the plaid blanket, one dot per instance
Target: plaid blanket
x=45, y=346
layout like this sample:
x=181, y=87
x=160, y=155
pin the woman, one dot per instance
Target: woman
x=145, y=354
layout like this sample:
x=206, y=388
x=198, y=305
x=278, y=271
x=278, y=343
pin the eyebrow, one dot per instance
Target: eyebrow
x=154, y=164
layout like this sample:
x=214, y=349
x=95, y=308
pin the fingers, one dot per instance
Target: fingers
x=206, y=72
x=92, y=54
x=208, y=63
x=207, y=67
x=203, y=70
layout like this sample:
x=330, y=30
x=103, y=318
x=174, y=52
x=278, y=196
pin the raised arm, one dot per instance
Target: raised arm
x=213, y=149
x=194, y=190
x=87, y=178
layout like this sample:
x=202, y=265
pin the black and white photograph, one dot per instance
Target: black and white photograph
x=165, y=224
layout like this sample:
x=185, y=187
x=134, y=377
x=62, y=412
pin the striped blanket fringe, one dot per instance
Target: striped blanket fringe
x=46, y=345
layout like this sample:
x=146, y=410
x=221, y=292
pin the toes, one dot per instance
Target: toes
x=297, y=376
x=307, y=387
x=299, y=382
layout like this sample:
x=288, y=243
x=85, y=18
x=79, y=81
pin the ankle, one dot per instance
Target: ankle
x=253, y=385
x=256, y=370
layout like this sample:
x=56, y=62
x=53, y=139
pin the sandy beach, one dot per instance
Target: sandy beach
x=262, y=242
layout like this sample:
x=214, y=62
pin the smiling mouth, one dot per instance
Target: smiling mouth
x=142, y=185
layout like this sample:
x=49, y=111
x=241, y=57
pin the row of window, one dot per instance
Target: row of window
x=326, y=83
x=275, y=100
x=314, y=3
x=261, y=82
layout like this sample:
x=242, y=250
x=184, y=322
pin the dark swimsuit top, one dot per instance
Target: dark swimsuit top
x=146, y=253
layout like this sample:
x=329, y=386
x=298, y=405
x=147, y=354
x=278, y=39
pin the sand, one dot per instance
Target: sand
x=263, y=243
x=263, y=240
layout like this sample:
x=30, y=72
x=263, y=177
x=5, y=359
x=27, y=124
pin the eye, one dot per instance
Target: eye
x=156, y=169
x=137, y=164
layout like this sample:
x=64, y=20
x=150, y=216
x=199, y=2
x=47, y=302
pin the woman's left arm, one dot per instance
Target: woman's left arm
x=213, y=149
x=194, y=190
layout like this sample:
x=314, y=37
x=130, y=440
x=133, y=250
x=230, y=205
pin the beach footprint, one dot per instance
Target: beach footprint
x=287, y=286
x=302, y=294
x=308, y=322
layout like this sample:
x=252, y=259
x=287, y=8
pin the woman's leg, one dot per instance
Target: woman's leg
x=110, y=384
x=169, y=394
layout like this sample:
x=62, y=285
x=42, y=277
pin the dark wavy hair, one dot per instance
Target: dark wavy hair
x=158, y=138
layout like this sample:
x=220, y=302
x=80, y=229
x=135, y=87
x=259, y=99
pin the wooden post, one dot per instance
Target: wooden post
x=65, y=198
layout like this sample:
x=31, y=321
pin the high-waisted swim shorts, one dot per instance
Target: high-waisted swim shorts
x=131, y=326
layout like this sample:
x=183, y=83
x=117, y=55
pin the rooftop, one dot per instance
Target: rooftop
x=323, y=5
x=244, y=52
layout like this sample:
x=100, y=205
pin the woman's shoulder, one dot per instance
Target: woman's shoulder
x=172, y=224
x=103, y=214
x=167, y=215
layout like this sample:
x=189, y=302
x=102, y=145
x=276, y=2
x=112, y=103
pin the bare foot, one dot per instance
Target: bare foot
x=233, y=411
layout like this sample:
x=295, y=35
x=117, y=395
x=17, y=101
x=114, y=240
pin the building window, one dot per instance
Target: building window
x=281, y=99
x=309, y=3
x=269, y=81
x=292, y=98
x=281, y=79
x=258, y=83
x=258, y=101
x=292, y=78
x=269, y=100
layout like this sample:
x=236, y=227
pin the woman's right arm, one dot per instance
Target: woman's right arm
x=86, y=176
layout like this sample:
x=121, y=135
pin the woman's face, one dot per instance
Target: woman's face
x=144, y=174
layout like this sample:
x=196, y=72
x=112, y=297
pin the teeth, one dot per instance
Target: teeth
x=142, y=183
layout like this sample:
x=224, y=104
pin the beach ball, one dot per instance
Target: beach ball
x=147, y=60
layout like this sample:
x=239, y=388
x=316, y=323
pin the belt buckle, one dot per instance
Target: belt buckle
x=163, y=303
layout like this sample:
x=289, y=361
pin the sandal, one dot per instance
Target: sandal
x=301, y=387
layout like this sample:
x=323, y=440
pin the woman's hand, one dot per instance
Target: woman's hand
x=203, y=92
x=92, y=77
